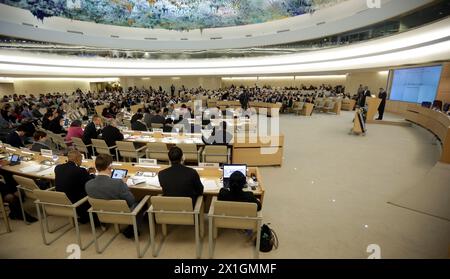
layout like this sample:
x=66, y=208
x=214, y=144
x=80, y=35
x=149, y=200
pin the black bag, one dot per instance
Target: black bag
x=269, y=239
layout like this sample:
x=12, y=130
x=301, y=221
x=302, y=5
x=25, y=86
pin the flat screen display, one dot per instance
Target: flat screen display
x=415, y=85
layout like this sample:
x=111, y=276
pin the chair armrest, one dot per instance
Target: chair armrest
x=80, y=202
x=259, y=214
x=112, y=147
x=198, y=204
x=140, y=205
x=141, y=148
x=50, y=189
x=211, y=207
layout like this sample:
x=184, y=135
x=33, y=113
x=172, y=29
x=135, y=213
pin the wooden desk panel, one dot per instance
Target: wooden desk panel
x=140, y=190
x=436, y=122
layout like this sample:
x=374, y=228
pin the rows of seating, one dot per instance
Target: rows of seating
x=152, y=150
x=162, y=211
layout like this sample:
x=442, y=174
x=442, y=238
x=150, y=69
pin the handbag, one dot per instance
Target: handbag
x=269, y=239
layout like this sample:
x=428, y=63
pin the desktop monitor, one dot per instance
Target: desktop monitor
x=229, y=169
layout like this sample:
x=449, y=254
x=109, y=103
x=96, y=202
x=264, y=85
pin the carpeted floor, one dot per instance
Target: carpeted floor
x=328, y=200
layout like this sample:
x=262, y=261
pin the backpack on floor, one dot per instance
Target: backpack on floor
x=269, y=239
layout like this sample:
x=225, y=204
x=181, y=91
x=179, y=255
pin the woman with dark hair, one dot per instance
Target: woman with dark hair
x=74, y=131
x=136, y=123
x=235, y=191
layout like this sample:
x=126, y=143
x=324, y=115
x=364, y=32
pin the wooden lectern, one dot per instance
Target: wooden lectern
x=372, y=110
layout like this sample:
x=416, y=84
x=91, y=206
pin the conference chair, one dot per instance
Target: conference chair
x=426, y=104
x=446, y=107
x=127, y=123
x=27, y=186
x=158, y=151
x=329, y=106
x=80, y=146
x=233, y=215
x=57, y=204
x=175, y=211
x=127, y=150
x=297, y=107
x=216, y=154
x=190, y=152
x=157, y=126
x=437, y=104
x=101, y=147
x=118, y=213
x=4, y=210
x=319, y=104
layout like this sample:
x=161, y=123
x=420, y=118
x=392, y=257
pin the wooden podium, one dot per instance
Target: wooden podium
x=372, y=110
x=359, y=127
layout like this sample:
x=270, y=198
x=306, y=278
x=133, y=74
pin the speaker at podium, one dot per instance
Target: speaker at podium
x=372, y=108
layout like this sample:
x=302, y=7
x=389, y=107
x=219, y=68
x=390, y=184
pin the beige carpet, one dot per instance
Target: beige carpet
x=328, y=200
x=431, y=195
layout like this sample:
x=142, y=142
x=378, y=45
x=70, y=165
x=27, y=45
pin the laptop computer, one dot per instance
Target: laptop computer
x=228, y=169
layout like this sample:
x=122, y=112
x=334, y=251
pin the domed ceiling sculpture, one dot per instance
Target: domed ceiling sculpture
x=171, y=14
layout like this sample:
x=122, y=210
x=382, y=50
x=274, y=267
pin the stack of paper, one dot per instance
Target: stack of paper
x=209, y=184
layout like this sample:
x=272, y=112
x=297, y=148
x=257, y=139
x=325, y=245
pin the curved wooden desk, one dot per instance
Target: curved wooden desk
x=436, y=122
x=210, y=174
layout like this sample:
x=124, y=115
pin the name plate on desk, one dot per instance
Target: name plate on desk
x=147, y=162
x=46, y=152
x=209, y=165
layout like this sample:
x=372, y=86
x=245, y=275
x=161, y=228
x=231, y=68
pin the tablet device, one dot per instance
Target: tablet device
x=15, y=160
x=119, y=173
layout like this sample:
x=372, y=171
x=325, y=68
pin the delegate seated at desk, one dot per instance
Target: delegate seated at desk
x=70, y=178
x=40, y=142
x=219, y=135
x=179, y=180
x=235, y=191
x=106, y=188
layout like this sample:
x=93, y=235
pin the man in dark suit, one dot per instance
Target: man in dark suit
x=91, y=131
x=179, y=180
x=365, y=93
x=158, y=118
x=111, y=134
x=15, y=137
x=382, y=95
x=70, y=178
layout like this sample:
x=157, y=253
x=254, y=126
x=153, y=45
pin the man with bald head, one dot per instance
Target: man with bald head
x=70, y=178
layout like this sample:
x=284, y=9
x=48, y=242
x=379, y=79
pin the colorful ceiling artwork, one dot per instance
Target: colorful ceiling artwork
x=171, y=14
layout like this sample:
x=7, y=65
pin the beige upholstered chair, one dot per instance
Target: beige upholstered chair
x=127, y=123
x=297, y=107
x=27, y=185
x=101, y=147
x=118, y=213
x=127, y=149
x=158, y=151
x=190, y=152
x=233, y=215
x=4, y=211
x=80, y=146
x=176, y=211
x=57, y=204
x=216, y=154
x=157, y=125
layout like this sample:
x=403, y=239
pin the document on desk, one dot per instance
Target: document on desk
x=32, y=168
x=209, y=184
x=47, y=171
